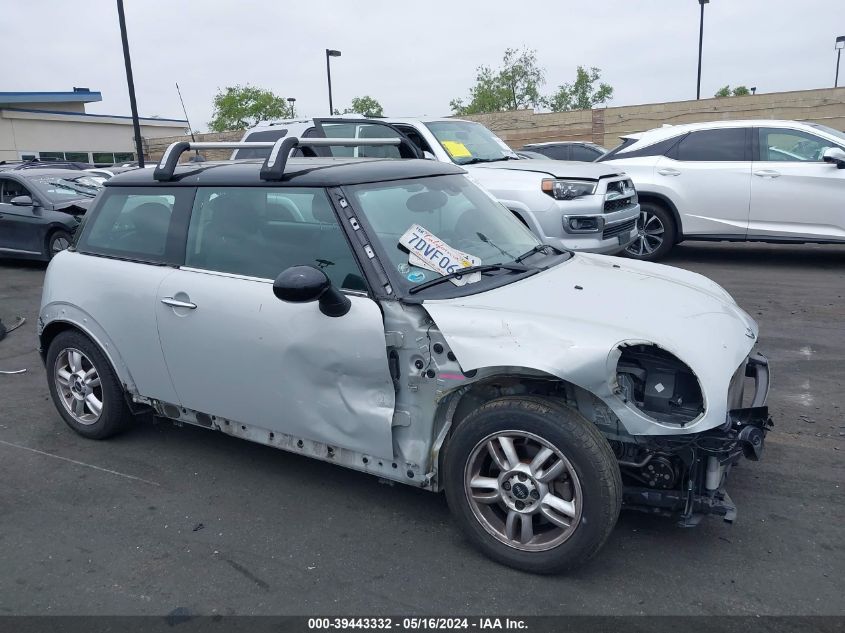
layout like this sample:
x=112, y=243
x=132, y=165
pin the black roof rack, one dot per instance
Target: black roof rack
x=34, y=163
x=274, y=165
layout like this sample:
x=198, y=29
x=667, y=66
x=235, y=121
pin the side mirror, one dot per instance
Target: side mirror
x=833, y=155
x=22, y=201
x=428, y=155
x=303, y=284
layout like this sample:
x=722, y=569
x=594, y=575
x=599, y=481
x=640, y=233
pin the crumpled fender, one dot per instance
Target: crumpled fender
x=569, y=322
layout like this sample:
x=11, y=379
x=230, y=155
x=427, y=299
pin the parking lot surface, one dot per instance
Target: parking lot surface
x=164, y=518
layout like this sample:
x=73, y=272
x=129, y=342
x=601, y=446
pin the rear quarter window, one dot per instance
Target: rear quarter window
x=143, y=224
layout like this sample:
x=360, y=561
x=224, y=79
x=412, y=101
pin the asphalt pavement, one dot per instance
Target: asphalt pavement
x=164, y=518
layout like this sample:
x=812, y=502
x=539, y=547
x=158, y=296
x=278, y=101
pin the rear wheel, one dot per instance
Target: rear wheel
x=58, y=241
x=656, y=233
x=84, y=388
x=532, y=483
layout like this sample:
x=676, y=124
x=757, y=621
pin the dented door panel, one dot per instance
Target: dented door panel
x=245, y=356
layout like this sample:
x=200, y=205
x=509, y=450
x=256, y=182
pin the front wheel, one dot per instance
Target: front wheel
x=532, y=483
x=656, y=233
x=59, y=241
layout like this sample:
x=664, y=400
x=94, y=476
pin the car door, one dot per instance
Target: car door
x=794, y=193
x=238, y=353
x=21, y=228
x=709, y=175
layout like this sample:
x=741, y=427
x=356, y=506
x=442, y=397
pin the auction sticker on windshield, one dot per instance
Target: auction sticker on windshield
x=456, y=149
x=428, y=251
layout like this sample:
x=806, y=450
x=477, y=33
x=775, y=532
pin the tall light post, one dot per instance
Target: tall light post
x=139, y=148
x=291, y=101
x=700, y=41
x=330, y=53
x=840, y=44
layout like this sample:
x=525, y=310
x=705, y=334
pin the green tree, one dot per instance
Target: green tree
x=516, y=84
x=581, y=93
x=366, y=105
x=239, y=107
x=739, y=91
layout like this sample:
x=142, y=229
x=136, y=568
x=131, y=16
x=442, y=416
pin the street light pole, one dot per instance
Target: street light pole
x=840, y=44
x=330, y=53
x=700, y=41
x=136, y=124
x=292, y=101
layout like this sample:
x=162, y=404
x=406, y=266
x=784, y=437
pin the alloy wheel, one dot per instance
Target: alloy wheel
x=59, y=244
x=78, y=385
x=523, y=490
x=650, y=235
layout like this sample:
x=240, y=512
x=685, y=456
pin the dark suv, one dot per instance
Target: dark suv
x=567, y=150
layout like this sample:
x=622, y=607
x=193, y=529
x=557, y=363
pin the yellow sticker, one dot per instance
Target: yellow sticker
x=456, y=149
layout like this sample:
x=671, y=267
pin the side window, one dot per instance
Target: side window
x=259, y=232
x=415, y=136
x=584, y=153
x=557, y=152
x=133, y=225
x=11, y=189
x=778, y=144
x=727, y=144
x=271, y=135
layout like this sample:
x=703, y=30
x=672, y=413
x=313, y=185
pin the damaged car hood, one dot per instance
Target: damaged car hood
x=569, y=322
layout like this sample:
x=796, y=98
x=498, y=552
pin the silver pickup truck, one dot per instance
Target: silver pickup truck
x=576, y=206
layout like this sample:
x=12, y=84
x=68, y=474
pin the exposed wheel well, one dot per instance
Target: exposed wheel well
x=664, y=202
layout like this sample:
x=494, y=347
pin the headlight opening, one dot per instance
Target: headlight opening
x=659, y=384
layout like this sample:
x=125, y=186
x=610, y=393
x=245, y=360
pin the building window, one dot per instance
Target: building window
x=52, y=155
x=78, y=157
x=123, y=157
x=105, y=158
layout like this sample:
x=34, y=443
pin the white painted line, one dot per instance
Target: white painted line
x=78, y=463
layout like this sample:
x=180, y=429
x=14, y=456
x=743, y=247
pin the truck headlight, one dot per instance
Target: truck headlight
x=567, y=189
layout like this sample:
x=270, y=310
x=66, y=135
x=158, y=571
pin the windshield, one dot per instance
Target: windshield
x=467, y=142
x=829, y=130
x=63, y=188
x=454, y=213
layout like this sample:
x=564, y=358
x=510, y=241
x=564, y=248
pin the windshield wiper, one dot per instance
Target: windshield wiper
x=540, y=248
x=483, y=268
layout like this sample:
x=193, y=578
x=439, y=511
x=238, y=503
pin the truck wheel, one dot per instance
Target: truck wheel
x=59, y=241
x=532, y=483
x=84, y=388
x=657, y=233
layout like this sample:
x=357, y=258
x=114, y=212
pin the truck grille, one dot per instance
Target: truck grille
x=617, y=229
x=618, y=204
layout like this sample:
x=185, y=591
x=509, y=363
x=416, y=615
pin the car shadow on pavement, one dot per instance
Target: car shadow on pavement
x=770, y=255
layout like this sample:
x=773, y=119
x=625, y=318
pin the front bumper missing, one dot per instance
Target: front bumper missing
x=708, y=458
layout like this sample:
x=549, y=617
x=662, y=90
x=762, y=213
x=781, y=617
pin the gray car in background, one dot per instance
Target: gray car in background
x=40, y=210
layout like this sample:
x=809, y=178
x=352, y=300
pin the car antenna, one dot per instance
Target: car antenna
x=191, y=129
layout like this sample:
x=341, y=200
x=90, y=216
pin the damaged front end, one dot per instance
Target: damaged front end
x=684, y=476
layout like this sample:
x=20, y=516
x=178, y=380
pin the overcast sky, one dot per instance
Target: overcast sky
x=411, y=56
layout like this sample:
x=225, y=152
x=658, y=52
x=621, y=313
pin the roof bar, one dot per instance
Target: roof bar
x=274, y=166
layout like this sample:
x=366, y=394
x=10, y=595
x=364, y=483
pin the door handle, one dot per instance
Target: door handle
x=767, y=173
x=175, y=303
x=668, y=171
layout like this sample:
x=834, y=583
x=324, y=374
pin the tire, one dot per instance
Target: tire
x=657, y=233
x=76, y=395
x=58, y=241
x=571, y=514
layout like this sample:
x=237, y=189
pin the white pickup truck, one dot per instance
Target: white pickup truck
x=585, y=207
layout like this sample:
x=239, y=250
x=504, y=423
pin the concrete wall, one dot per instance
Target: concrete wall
x=157, y=146
x=605, y=125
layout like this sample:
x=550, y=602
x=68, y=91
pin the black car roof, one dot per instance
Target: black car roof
x=299, y=172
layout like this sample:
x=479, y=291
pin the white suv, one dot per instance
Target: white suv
x=570, y=205
x=769, y=181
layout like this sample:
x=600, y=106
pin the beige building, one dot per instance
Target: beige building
x=54, y=125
